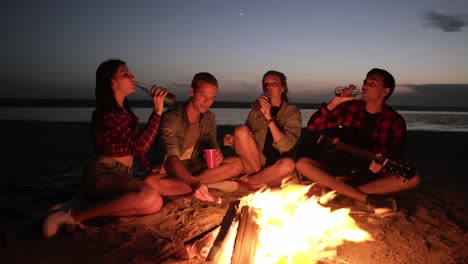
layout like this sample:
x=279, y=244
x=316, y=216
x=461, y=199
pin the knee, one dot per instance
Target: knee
x=415, y=181
x=236, y=165
x=302, y=163
x=286, y=166
x=150, y=201
x=152, y=181
x=241, y=132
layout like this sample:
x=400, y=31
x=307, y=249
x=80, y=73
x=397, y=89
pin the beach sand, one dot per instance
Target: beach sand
x=43, y=163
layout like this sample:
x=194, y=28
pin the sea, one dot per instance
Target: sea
x=447, y=121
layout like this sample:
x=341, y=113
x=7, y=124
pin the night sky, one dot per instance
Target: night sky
x=51, y=49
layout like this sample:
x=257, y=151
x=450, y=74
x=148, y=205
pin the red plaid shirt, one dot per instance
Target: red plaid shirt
x=389, y=134
x=117, y=136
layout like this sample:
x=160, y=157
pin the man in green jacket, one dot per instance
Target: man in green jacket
x=186, y=130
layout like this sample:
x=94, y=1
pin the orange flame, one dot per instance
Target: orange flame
x=297, y=229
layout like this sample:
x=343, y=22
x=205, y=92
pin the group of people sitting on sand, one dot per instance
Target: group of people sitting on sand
x=262, y=146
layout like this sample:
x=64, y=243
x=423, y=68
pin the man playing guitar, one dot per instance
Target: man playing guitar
x=379, y=129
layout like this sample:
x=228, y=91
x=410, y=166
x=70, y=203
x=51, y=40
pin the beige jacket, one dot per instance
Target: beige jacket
x=288, y=119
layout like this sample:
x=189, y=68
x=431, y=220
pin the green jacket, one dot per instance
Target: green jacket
x=288, y=119
x=174, y=126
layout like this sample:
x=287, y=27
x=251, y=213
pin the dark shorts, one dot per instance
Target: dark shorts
x=195, y=167
x=103, y=167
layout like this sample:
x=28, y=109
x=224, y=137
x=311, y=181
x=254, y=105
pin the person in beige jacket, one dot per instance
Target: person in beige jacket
x=272, y=129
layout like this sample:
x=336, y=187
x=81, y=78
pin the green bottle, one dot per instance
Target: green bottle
x=168, y=100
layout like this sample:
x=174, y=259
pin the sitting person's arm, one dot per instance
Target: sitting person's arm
x=168, y=130
x=286, y=137
x=329, y=115
x=228, y=140
x=174, y=165
x=176, y=168
x=143, y=161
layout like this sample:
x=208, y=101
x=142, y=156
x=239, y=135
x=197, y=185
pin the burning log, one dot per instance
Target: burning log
x=201, y=244
x=282, y=215
x=246, y=237
x=228, y=219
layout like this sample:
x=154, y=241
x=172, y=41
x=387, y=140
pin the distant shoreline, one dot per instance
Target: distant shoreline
x=28, y=102
x=31, y=142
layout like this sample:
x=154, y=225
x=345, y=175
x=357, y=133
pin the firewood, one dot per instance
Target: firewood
x=225, y=225
x=246, y=237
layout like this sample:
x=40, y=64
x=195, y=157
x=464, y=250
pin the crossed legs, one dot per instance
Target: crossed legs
x=229, y=168
x=316, y=172
x=246, y=147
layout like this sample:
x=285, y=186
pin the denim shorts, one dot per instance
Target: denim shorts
x=103, y=167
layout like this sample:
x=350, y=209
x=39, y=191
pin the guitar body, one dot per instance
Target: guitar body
x=335, y=145
x=308, y=146
x=327, y=154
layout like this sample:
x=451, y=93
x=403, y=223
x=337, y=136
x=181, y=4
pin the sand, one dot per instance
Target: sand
x=43, y=165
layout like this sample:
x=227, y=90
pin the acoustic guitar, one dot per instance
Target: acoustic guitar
x=400, y=168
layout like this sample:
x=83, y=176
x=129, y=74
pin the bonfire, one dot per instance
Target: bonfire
x=290, y=228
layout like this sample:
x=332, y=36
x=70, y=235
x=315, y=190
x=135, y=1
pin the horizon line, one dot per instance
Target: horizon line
x=75, y=102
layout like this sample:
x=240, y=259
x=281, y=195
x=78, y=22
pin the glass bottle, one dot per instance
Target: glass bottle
x=168, y=100
x=347, y=91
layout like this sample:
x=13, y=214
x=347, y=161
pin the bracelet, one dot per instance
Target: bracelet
x=268, y=121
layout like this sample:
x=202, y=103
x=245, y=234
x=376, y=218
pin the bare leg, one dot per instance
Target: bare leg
x=167, y=186
x=229, y=167
x=274, y=174
x=315, y=172
x=246, y=148
x=390, y=184
x=136, y=198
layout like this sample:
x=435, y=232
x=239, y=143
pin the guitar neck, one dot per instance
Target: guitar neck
x=357, y=152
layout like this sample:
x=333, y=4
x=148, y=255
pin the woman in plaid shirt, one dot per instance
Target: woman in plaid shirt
x=109, y=188
x=379, y=129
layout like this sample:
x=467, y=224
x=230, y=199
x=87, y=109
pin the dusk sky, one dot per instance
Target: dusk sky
x=51, y=49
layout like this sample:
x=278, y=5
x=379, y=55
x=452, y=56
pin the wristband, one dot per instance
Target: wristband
x=268, y=121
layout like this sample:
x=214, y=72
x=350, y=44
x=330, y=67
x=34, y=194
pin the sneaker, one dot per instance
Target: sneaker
x=56, y=222
x=378, y=201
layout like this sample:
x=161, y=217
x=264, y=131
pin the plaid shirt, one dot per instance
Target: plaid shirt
x=389, y=134
x=117, y=135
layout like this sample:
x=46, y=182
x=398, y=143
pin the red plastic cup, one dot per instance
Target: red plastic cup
x=210, y=157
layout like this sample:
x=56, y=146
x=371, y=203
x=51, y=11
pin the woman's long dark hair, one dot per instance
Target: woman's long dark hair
x=105, y=97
